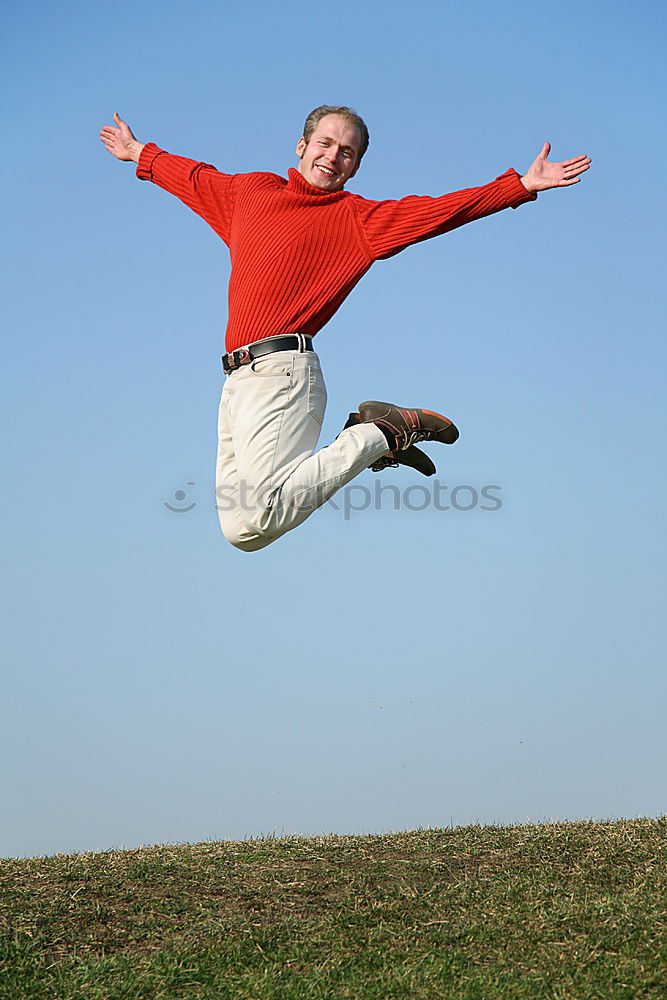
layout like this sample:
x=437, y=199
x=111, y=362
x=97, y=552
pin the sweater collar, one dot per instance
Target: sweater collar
x=297, y=184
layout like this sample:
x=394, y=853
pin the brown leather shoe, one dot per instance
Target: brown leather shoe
x=413, y=457
x=408, y=425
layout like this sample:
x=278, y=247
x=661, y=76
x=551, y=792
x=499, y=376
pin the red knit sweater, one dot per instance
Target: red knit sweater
x=297, y=252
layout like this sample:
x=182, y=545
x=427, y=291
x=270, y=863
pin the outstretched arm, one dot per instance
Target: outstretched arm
x=542, y=175
x=391, y=226
x=200, y=186
x=120, y=140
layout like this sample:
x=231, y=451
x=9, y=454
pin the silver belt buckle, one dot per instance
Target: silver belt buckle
x=235, y=359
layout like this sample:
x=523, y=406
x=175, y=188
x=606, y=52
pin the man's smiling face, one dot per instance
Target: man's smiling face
x=329, y=158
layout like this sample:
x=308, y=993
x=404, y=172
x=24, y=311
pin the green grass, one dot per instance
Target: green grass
x=560, y=910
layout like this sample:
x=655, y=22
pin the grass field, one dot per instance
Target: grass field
x=560, y=910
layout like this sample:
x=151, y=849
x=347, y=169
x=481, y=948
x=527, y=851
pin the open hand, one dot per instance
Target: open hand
x=120, y=141
x=542, y=175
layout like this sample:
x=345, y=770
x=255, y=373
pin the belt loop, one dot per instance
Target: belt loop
x=302, y=343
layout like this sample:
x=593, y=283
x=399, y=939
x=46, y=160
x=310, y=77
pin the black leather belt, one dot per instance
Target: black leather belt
x=292, y=342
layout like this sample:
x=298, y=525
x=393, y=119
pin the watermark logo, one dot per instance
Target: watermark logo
x=354, y=498
x=437, y=496
x=180, y=496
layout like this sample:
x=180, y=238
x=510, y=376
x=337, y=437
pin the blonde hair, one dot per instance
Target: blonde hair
x=350, y=116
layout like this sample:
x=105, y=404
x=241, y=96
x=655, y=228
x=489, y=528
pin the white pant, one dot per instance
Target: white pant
x=268, y=479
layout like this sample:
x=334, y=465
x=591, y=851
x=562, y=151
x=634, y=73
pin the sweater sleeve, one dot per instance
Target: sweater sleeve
x=200, y=186
x=391, y=226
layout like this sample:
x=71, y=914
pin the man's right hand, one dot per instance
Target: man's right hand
x=120, y=141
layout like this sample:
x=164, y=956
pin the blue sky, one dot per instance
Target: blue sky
x=390, y=670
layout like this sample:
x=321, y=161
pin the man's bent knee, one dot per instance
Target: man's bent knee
x=246, y=539
x=252, y=545
x=253, y=530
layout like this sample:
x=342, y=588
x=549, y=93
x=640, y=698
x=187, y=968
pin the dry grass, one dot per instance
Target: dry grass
x=574, y=910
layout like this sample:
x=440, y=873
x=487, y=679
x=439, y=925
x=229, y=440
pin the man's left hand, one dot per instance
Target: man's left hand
x=542, y=175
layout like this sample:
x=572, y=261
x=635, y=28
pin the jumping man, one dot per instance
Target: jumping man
x=298, y=247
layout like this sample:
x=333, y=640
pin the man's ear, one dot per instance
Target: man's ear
x=301, y=147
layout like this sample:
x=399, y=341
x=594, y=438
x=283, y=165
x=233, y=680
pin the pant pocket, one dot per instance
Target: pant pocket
x=317, y=394
x=279, y=364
